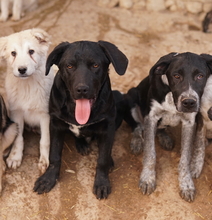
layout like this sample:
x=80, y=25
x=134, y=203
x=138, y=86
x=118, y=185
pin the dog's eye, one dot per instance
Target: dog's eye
x=69, y=66
x=95, y=65
x=13, y=53
x=177, y=76
x=31, y=52
x=199, y=76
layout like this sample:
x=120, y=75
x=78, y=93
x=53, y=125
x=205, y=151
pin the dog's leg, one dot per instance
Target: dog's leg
x=135, y=120
x=187, y=189
x=15, y=156
x=48, y=180
x=198, y=156
x=17, y=9
x=44, y=143
x=102, y=186
x=147, y=182
x=4, y=10
x=137, y=142
x=165, y=140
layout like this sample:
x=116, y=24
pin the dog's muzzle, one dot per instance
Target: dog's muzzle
x=188, y=105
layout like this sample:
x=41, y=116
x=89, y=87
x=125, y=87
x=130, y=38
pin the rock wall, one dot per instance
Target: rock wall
x=191, y=6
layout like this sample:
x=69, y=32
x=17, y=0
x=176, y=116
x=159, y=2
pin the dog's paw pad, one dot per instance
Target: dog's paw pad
x=188, y=195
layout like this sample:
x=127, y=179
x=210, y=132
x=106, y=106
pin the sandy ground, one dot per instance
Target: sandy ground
x=144, y=37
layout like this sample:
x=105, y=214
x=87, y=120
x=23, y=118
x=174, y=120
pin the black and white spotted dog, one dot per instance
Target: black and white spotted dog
x=168, y=96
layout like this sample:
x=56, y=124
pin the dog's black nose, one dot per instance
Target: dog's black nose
x=189, y=103
x=82, y=89
x=22, y=70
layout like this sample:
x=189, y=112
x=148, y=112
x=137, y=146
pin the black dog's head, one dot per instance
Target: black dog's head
x=83, y=66
x=186, y=75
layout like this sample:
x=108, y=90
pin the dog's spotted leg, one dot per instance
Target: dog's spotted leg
x=187, y=189
x=136, y=143
x=44, y=144
x=198, y=156
x=147, y=182
x=15, y=156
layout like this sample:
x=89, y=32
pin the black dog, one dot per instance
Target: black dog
x=81, y=101
x=170, y=95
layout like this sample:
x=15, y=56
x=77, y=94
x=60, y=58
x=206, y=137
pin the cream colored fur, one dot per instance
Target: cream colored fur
x=28, y=89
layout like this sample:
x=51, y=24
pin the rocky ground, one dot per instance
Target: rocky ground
x=144, y=37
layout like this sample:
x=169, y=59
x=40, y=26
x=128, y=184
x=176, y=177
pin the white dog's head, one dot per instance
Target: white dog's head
x=25, y=51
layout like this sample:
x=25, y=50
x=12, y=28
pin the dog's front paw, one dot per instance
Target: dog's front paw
x=102, y=188
x=43, y=164
x=136, y=143
x=188, y=194
x=187, y=189
x=14, y=160
x=147, y=183
x=47, y=181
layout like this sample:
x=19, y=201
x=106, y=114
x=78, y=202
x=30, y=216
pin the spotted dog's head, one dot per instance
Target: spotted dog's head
x=186, y=75
x=83, y=67
x=25, y=51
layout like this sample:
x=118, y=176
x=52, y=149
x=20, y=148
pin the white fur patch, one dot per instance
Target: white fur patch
x=75, y=129
x=164, y=79
x=136, y=114
x=168, y=113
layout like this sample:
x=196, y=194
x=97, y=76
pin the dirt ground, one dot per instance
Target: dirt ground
x=144, y=37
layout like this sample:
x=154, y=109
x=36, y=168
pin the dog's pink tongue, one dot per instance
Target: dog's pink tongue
x=82, y=110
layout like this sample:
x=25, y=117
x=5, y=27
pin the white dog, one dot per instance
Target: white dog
x=16, y=8
x=28, y=89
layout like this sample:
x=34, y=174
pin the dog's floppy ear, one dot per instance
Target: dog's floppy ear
x=3, y=46
x=208, y=59
x=55, y=56
x=116, y=57
x=42, y=36
x=162, y=64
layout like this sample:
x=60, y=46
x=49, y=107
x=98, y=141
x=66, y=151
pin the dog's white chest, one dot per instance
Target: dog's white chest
x=166, y=111
x=75, y=129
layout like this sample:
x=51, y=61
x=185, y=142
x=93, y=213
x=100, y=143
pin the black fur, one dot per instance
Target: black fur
x=83, y=65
